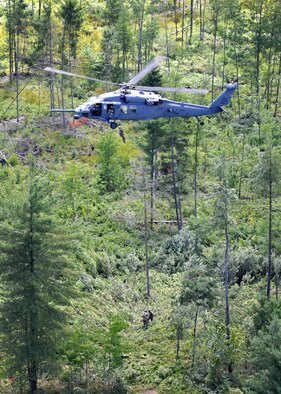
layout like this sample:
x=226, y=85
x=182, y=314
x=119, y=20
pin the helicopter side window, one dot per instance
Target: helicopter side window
x=133, y=109
x=110, y=109
x=96, y=110
x=124, y=109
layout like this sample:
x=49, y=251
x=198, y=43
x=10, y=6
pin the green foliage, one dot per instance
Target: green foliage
x=99, y=350
x=266, y=358
x=245, y=264
x=112, y=344
x=152, y=79
x=111, y=169
x=36, y=281
x=105, y=264
x=176, y=251
x=72, y=15
x=75, y=192
x=80, y=349
x=222, y=216
x=90, y=180
x=42, y=27
x=199, y=286
x=265, y=311
x=266, y=170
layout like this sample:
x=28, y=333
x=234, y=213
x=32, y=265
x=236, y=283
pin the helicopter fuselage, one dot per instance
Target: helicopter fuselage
x=133, y=102
x=130, y=104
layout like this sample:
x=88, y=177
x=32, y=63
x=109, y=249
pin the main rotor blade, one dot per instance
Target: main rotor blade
x=62, y=110
x=173, y=90
x=147, y=69
x=55, y=71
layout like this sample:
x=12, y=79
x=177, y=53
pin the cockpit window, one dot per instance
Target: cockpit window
x=96, y=110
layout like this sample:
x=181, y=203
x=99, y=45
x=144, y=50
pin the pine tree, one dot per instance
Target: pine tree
x=110, y=171
x=71, y=14
x=223, y=220
x=198, y=290
x=266, y=358
x=265, y=178
x=36, y=283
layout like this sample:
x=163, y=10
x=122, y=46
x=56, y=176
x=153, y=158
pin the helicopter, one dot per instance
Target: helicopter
x=131, y=102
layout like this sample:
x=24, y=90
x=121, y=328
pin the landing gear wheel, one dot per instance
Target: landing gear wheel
x=113, y=125
x=201, y=122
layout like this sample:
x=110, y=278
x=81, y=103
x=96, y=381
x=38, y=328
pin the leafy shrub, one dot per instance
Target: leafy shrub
x=244, y=264
x=13, y=160
x=176, y=251
x=163, y=372
x=130, y=264
x=105, y=266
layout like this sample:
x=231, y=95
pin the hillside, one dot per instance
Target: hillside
x=177, y=215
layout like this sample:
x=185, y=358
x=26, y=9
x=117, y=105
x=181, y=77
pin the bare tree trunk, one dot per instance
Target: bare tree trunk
x=178, y=189
x=179, y=336
x=258, y=62
x=258, y=46
x=269, y=224
x=278, y=88
x=205, y=155
x=146, y=237
x=214, y=53
x=141, y=20
x=202, y=17
x=224, y=55
x=175, y=188
x=152, y=178
x=167, y=38
x=62, y=80
x=11, y=42
x=32, y=316
x=176, y=17
x=194, y=338
x=195, y=169
x=191, y=19
x=180, y=210
x=52, y=88
x=241, y=166
x=182, y=23
x=237, y=79
x=39, y=9
x=17, y=71
x=276, y=287
x=270, y=71
x=226, y=280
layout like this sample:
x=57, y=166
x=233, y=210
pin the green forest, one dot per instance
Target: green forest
x=177, y=216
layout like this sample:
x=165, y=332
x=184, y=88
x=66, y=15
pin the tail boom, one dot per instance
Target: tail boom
x=224, y=98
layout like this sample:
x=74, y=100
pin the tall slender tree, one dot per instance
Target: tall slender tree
x=223, y=220
x=71, y=14
x=215, y=13
x=36, y=283
x=265, y=178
